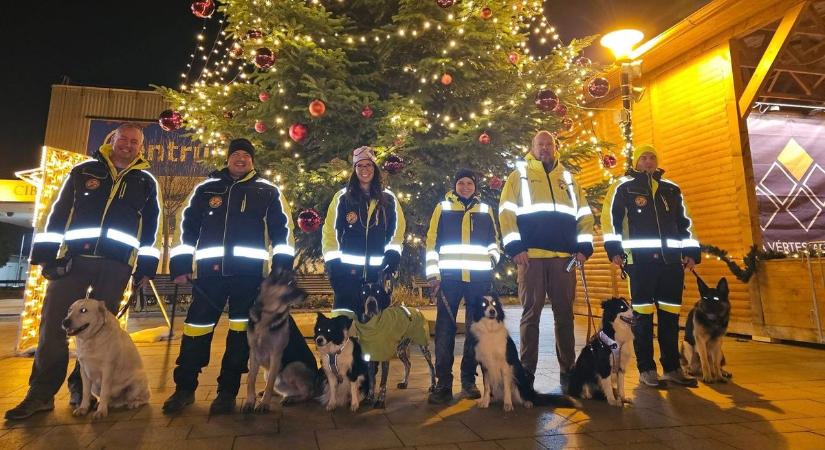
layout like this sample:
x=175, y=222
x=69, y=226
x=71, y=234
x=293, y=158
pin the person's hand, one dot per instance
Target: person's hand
x=182, y=279
x=435, y=284
x=617, y=261
x=522, y=259
x=580, y=257
x=688, y=262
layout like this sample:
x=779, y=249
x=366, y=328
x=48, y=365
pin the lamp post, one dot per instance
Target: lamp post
x=621, y=43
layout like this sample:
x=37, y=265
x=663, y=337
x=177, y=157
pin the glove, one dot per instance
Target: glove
x=391, y=261
x=56, y=269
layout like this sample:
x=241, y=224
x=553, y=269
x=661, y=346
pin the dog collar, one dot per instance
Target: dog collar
x=332, y=359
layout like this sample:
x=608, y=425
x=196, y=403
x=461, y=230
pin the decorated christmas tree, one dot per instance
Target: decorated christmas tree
x=432, y=85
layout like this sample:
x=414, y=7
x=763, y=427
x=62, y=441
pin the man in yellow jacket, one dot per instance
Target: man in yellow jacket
x=545, y=221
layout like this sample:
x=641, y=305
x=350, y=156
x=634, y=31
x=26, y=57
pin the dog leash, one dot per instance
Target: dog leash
x=591, y=323
x=439, y=294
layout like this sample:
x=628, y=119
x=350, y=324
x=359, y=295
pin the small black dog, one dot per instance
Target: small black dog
x=706, y=325
x=504, y=376
x=602, y=362
x=342, y=361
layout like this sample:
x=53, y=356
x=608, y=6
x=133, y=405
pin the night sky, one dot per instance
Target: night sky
x=135, y=44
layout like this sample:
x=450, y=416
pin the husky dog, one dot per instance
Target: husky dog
x=602, y=362
x=110, y=365
x=706, y=324
x=400, y=325
x=342, y=361
x=504, y=376
x=276, y=343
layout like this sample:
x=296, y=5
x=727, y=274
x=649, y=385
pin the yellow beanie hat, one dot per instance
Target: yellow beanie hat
x=640, y=150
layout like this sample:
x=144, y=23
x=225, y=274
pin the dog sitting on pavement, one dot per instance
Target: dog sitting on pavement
x=601, y=365
x=276, y=343
x=496, y=352
x=707, y=323
x=110, y=366
x=343, y=363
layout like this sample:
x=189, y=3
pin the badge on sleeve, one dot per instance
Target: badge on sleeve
x=352, y=217
x=92, y=184
x=216, y=201
x=641, y=201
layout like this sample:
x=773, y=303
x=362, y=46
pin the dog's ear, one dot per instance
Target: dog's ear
x=701, y=283
x=346, y=321
x=604, y=303
x=296, y=296
x=722, y=288
x=101, y=305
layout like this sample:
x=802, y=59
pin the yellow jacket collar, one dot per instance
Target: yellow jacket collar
x=105, y=152
x=534, y=163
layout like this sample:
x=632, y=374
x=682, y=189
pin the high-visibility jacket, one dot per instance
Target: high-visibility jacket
x=645, y=217
x=544, y=214
x=100, y=211
x=462, y=241
x=234, y=227
x=362, y=238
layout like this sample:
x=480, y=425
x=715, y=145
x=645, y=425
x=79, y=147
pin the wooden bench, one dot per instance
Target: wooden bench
x=166, y=289
x=314, y=283
x=420, y=284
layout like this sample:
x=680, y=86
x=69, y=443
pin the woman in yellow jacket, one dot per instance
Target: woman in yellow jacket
x=363, y=232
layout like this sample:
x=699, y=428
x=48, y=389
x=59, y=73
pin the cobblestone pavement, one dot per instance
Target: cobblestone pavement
x=775, y=400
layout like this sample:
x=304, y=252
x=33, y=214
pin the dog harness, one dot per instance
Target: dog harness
x=615, y=352
x=332, y=359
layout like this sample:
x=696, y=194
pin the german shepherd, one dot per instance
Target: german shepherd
x=602, y=362
x=276, y=343
x=504, y=376
x=342, y=361
x=706, y=325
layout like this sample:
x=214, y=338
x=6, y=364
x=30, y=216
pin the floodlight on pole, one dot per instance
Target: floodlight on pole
x=621, y=44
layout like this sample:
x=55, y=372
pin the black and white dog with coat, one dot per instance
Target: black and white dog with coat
x=601, y=365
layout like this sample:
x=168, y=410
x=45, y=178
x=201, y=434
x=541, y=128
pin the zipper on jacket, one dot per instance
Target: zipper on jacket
x=116, y=179
x=122, y=190
x=667, y=207
x=225, y=222
x=243, y=203
x=656, y=213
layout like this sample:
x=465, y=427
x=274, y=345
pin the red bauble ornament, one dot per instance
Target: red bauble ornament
x=298, y=132
x=567, y=124
x=598, y=87
x=445, y=3
x=560, y=110
x=264, y=58
x=260, y=126
x=513, y=58
x=546, y=100
x=446, y=79
x=170, y=120
x=486, y=13
x=394, y=164
x=582, y=61
x=236, y=51
x=254, y=34
x=317, y=108
x=203, y=9
x=484, y=138
x=496, y=182
x=263, y=96
x=609, y=161
x=367, y=112
x=309, y=220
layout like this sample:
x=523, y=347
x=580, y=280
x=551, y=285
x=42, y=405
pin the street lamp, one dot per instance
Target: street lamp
x=621, y=43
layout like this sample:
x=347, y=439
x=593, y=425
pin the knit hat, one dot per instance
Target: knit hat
x=361, y=154
x=241, y=144
x=465, y=173
x=640, y=150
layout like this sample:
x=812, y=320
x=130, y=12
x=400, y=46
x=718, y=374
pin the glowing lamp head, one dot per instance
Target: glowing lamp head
x=621, y=42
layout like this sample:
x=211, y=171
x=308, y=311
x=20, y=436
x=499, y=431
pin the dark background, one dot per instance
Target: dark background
x=134, y=44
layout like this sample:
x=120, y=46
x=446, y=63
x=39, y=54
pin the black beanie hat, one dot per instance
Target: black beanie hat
x=465, y=173
x=241, y=144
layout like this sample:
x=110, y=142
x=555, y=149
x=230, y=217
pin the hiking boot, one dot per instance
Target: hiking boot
x=678, y=377
x=442, y=395
x=471, y=392
x=178, y=400
x=649, y=378
x=565, y=382
x=531, y=378
x=224, y=403
x=29, y=407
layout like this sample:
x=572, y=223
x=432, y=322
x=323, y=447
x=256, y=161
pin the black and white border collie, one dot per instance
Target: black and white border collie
x=504, y=376
x=342, y=361
x=602, y=362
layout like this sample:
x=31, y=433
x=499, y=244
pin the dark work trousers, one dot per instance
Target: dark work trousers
x=346, y=281
x=199, y=327
x=546, y=277
x=445, y=330
x=656, y=287
x=108, y=279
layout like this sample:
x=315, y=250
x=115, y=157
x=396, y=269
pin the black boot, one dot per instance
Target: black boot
x=471, y=392
x=442, y=395
x=178, y=400
x=29, y=407
x=224, y=403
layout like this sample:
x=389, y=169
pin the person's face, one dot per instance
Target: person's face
x=544, y=148
x=465, y=187
x=365, y=170
x=239, y=163
x=126, y=144
x=647, y=163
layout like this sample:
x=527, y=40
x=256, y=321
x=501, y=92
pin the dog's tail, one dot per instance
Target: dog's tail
x=554, y=400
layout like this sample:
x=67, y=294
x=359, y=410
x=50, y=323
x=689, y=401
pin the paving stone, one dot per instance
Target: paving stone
x=570, y=441
x=298, y=440
x=357, y=438
x=442, y=432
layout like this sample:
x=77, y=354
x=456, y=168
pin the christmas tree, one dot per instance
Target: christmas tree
x=432, y=85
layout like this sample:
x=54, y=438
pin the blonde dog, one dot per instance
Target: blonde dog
x=110, y=365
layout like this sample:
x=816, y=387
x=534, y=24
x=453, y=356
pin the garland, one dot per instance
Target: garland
x=754, y=255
